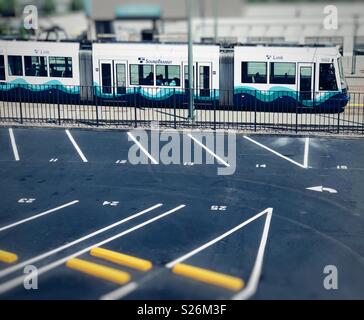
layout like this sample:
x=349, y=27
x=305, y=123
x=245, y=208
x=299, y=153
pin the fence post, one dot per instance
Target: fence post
x=135, y=109
x=174, y=108
x=96, y=106
x=255, y=111
x=20, y=105
x=215, y=109
x=338, y=119
x=297, y=97
x=58, y=106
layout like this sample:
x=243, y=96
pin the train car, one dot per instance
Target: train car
x=154, y=74
x=289, y=79
x=261, y=78
x=39, y=71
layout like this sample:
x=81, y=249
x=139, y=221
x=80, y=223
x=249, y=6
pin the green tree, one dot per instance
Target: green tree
x=2, y=29
x=23, y=33
x=7, y=8
x=76, y=5
x=49, y=6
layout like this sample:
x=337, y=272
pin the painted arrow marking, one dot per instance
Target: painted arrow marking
x=322, y=189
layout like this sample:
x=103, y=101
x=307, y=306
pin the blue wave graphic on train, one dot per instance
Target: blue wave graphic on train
x=275, y=93
x=48, y=90
x=153, y=93
x=157, y=94
x=53, y=84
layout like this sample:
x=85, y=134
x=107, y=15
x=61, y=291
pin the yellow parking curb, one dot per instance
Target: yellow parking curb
x=122, y=259
x=210, y=277
x=99, y=271
x=8, y=257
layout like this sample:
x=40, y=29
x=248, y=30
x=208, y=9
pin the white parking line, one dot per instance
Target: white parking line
x=208, y=150
x=70, y=244
x=142, y=148
x=76, y=146
x=305, y=158
x=38, y=215
x=252, y=285
x=13, y=144
x=210, y=243
x=275, y=152
x=120, y=292
x=6, y=286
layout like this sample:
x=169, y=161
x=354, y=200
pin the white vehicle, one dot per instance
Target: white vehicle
x=285, y=77
x=39, y=66
x=154, y=71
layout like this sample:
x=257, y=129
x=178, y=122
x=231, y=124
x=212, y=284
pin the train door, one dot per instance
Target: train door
x=204, y=79
x=2, y=69
x=106, y=76
x=113, y=76
x=120, y=77
x=186, y=78
x=186, y=75
x=306, y=81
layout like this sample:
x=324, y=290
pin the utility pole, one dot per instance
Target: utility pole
x=356, y=28
x=191, y=115
x=216, y=14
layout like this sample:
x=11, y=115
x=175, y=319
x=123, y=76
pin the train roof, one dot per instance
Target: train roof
x=300, y=52
x=221, y=44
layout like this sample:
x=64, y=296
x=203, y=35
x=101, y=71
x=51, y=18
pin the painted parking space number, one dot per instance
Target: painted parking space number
x=110, y=203
x=218, y=208
x=26, y=200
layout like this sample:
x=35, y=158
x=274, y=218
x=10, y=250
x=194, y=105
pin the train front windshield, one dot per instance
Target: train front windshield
x=344, y=84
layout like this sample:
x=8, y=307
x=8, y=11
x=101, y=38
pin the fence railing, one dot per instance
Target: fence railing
x=169, y=107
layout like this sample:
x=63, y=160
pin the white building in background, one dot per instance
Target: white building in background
x=238, y=21
x=290, y=23
x=285, y=23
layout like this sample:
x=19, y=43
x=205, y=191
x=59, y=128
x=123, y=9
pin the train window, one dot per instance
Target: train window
x=2, y=68
x=168, y=76
x=106, y=78
x=35, y=66
x=120, y=73
x=327, y=77
x=254, y=72
x=204, y=80
x=341, y=68
x=15, y=65
x=283, y=73
x=187, y=77
x=60, y=67
x=141, y=75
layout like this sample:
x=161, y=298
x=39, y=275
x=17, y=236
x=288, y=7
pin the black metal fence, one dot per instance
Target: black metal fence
x=285, y=111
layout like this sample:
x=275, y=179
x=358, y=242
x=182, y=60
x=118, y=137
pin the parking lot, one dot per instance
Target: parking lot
x=293, y=206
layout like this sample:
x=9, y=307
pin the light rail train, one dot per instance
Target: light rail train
x=242, y=77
